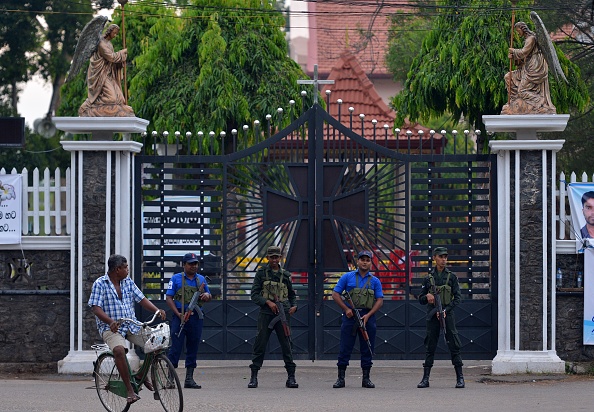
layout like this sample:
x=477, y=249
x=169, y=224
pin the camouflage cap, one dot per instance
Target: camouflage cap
x=440, y=250
x=274, y=251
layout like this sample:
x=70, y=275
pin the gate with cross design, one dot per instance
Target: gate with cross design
x=322, y=191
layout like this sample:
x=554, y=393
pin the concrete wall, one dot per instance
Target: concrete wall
x=34, y=309
x=34, y=332
x=570, y=314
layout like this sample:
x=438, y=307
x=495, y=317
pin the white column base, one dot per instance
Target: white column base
x=80, y=362
x=511, y=362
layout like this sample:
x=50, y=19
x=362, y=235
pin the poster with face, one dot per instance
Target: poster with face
x=581, y=200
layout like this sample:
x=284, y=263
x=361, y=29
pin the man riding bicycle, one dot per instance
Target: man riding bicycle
x=113, y=297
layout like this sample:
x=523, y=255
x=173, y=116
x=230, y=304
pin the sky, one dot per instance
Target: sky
x=34, y=100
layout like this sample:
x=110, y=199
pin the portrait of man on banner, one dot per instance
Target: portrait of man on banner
x=581, y=200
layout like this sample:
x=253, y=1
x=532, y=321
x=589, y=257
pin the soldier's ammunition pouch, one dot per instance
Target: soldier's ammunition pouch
x=363, y=298
x=273, y=290
x=188, y=293
x=445, y=291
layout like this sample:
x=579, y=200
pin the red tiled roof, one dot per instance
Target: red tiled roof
x=353, y=87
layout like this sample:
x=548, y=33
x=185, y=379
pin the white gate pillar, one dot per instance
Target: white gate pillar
x=101, y=203
x=526, y=244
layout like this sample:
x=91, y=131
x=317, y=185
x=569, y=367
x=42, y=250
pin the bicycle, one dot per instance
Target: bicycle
x=110, y=386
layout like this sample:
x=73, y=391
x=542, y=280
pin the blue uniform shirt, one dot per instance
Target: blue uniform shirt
x=175, y=284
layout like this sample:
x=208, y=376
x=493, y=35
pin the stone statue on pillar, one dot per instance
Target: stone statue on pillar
x=528, y=85
x=104, y=76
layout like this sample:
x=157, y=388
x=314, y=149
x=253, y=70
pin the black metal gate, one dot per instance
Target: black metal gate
x=323, y=193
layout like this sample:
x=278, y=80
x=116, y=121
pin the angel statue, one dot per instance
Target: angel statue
x=104, y=76
x=528, y=85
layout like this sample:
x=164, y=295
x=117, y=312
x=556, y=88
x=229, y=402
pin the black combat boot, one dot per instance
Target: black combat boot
x=366, y=382
x=291, y=382
x=425, y=381
x=189, y=382
x=340, y=381
x=459, y=377
x=254, y=379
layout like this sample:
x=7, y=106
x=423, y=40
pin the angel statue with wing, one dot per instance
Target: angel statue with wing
x=528, y=85
x=104, y=76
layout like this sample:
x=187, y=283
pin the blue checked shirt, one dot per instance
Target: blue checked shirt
x=105, y=296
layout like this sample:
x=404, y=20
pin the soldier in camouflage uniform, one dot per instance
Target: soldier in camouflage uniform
x=273, y=283
x=448, y=287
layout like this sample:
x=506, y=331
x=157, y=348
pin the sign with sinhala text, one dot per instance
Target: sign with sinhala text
x=10, y=209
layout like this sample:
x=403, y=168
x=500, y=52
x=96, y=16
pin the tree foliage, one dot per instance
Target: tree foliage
x=223, y=64
x=215, y=65
x=404, y=41
x=19, y=40
x=462, y=62
x=39, y=37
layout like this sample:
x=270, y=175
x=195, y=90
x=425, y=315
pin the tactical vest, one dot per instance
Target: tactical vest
x=445, y=291
x=188, y=293
x=275, y=290
x=363, y=298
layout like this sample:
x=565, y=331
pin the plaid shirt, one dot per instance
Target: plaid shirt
x=105, y=296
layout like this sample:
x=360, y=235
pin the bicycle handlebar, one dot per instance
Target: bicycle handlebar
x=136, y=322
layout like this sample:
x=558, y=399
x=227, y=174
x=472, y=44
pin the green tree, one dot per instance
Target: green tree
x=19, y=40
x=460, y=67
x=405, y=38
x=220, y=65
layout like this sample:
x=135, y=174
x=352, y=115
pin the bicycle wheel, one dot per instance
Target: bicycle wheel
x=166, y=383
x=109, y=384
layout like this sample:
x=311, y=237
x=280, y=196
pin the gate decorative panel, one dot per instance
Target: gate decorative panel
x=323, y=193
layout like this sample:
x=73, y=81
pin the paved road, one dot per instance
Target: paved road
x=225, y=389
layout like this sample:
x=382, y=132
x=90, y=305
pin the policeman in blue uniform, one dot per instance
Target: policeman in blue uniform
x=182, y=287
x=368, y=297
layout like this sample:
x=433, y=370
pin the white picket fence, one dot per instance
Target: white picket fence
x=46, y=202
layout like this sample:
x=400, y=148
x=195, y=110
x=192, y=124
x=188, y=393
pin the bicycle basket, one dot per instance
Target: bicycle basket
x=157, y=337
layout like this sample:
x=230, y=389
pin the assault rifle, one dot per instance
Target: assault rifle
x=191, y=307
x=282, y=317
x=438, y=309
x=360, y=324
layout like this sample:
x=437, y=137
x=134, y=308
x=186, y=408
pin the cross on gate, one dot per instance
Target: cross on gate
x=316, y=82
x=343, y=203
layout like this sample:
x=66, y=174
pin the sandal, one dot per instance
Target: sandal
x=131, y=399
x=148, y=385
